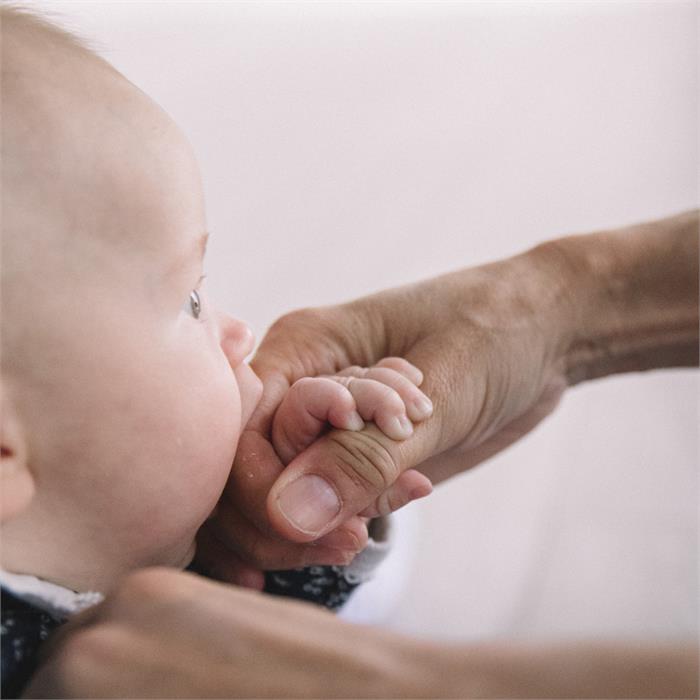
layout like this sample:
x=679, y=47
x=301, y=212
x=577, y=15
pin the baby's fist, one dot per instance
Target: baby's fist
x=386, y=394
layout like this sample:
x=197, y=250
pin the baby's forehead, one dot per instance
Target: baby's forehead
x=104, y=160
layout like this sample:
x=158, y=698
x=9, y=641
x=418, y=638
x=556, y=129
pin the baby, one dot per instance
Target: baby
x=124, y=391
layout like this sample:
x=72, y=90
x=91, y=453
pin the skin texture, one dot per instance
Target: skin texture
x=170, y=634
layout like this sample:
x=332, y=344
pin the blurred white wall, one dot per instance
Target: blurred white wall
x=348, y=147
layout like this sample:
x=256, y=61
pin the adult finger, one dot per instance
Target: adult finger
x=410, y=486
x=339, y=475
x=219, y=562
x=242, y=526
x=262, y=550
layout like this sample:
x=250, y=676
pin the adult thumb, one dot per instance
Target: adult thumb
x=337, y=477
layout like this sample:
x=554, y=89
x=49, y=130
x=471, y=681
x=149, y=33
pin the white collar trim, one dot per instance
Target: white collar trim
x=57, y=601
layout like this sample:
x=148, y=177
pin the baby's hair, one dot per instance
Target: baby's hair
x=41, y=26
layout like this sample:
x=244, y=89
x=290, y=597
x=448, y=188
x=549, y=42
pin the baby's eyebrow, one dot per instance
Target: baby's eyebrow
x=196, y=254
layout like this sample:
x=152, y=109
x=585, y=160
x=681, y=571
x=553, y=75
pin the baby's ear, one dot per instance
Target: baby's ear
x=16, y=481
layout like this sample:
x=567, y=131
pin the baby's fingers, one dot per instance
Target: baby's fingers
x=417, y=405
x=402, y=366
x=307, y=408
x=381, y=404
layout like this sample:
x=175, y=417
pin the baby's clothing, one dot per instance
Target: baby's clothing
x=32, y=609
x=24, y=629
x=331, y=586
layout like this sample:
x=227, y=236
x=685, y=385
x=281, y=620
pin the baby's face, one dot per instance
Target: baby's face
x=132, y=387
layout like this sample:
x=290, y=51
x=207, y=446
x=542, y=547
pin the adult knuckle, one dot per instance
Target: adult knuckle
x=364, y=459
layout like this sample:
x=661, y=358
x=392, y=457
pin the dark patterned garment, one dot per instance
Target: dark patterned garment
x=324, y=585
x=25, y=627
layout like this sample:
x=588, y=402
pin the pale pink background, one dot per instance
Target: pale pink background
x=348, y=147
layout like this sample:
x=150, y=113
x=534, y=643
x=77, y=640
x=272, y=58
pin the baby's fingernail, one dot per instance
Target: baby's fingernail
x=423, y=406
x=309, y=503
x=400, y=428
x=354, y=422
x=418, y=379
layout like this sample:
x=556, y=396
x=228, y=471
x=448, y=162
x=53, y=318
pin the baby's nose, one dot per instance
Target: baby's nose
x=237, y=340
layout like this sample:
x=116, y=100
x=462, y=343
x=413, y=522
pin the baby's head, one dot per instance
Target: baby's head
x=123, y=390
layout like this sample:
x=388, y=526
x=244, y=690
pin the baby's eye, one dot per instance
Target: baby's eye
x=195, y=303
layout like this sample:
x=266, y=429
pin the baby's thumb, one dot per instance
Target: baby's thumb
x=339, y=476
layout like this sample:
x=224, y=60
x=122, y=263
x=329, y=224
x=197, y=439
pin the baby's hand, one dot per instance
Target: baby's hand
x=232, y=544
x=386, y=394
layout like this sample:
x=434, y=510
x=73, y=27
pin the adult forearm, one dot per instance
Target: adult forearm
x=632, y=302
x=580, y=670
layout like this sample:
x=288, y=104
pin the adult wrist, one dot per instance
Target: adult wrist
x=631, y=302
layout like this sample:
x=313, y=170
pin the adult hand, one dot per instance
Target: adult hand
x=493, y=364
x=497, y=345
x=488, y=351
x=164, y=633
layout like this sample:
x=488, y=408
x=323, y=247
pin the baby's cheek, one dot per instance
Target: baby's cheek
x=215, y=444
x=204, y=443
x=250, y=389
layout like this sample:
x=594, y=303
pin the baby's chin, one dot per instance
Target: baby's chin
x=183, y=553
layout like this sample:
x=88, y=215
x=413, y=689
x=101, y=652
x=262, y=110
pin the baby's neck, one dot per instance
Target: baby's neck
x=78, y=559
